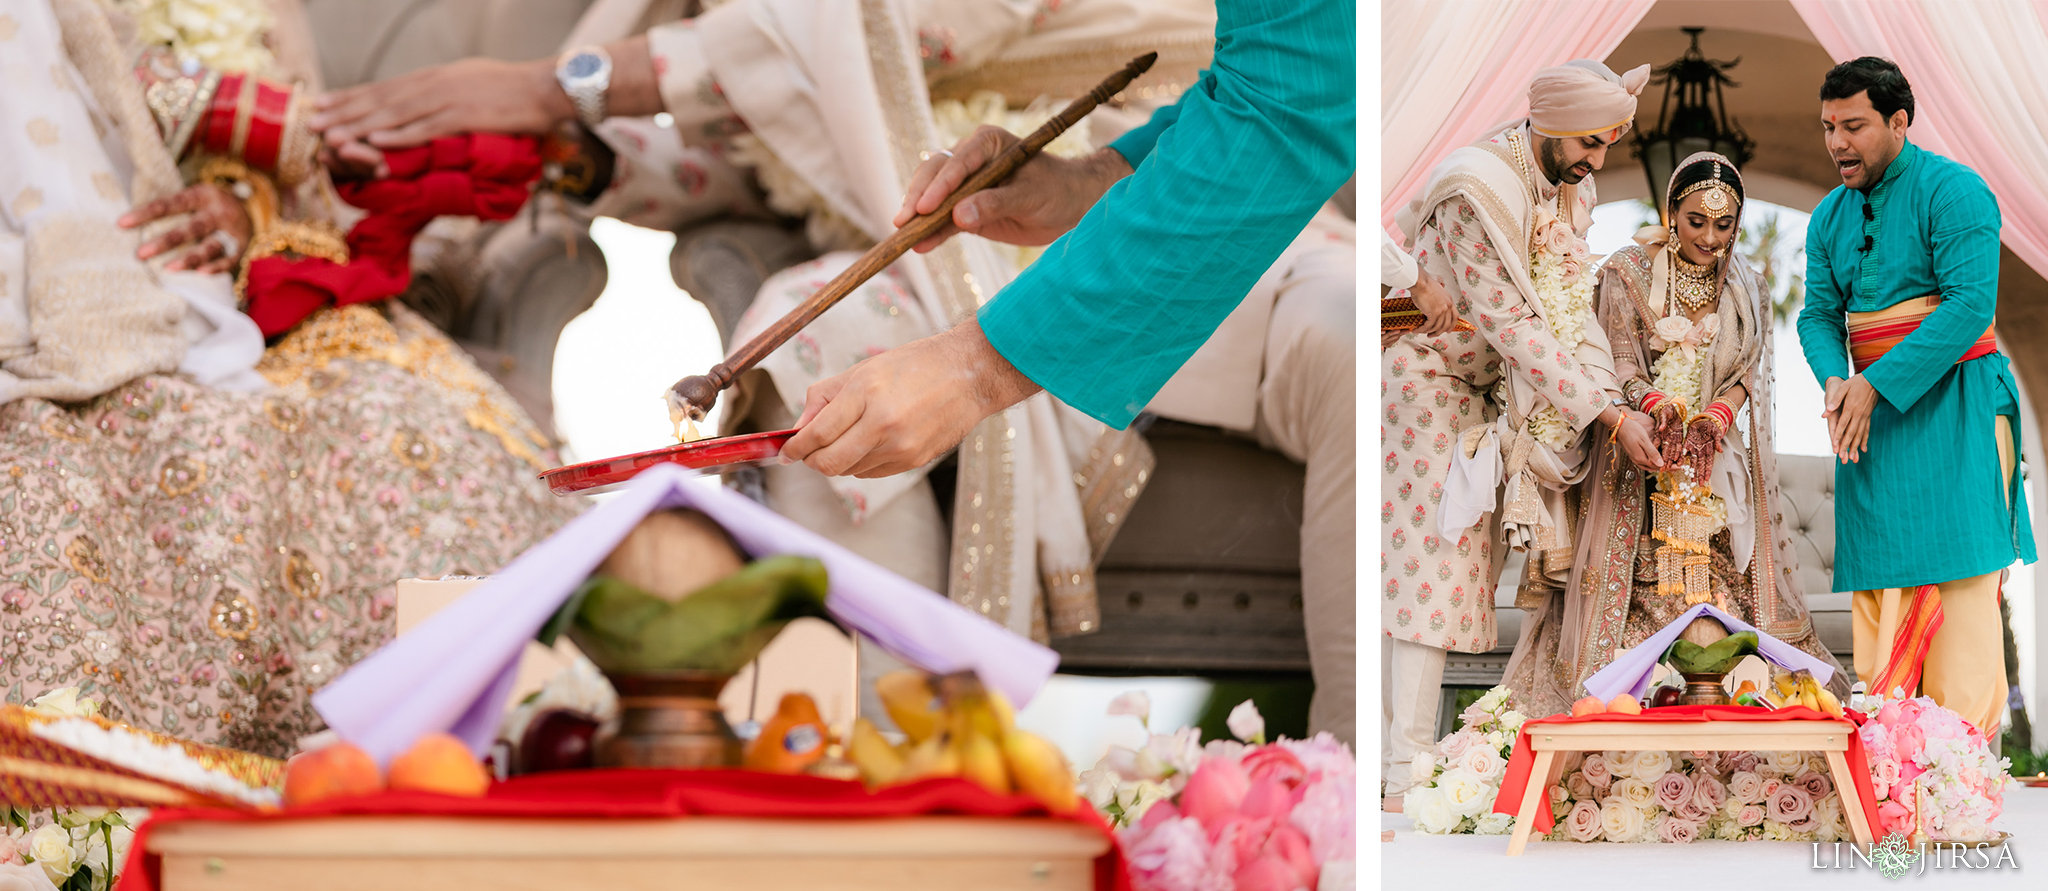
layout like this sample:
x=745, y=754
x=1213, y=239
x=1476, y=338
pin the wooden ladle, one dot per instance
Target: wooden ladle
x=694, y=395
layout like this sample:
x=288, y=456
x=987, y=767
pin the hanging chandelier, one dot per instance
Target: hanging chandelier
x=1694, y=118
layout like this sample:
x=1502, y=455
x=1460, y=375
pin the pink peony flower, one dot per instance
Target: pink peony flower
x=1583, y=823
x=1909, y=772
x=1266, y=873
x=1173, y=855
x=1288, y=844
x=1268, y=798
x=1328, y=817
x=1276, y=763
x=1676, y=830
x=1888, y=714
x=1673, y=790
x=1790, y=803
x=1158, y=813
x=1323, y=756
x=1597, y=772
x=1907, y=741
x=1215, y=791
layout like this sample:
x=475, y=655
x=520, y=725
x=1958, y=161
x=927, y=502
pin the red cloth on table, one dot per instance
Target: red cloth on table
x=597, y=794
x=1524, y=759
x=483, y=175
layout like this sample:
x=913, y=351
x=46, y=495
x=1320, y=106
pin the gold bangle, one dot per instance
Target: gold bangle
x=245, y=111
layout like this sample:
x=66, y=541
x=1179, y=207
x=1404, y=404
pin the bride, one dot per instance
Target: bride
x=1690, y=327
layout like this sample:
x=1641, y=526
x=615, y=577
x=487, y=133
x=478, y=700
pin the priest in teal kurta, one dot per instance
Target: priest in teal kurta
x=1902, y=288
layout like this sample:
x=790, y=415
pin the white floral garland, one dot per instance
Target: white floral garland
x=1563, y=277
x=1678, y=374
x=222, y=35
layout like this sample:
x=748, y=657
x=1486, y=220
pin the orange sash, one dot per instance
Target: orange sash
x=1872, y=334
x=1909, y=645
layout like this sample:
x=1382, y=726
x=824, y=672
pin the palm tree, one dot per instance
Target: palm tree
x=1762, y=240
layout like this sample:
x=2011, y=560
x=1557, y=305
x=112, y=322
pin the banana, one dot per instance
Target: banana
x=936, y=756
x=981, y=760
x=880, y=764
x=1040, y=770
x=1829, y=703
x=907, y=696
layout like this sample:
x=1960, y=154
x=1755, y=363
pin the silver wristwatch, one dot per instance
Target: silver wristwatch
x=585, y=74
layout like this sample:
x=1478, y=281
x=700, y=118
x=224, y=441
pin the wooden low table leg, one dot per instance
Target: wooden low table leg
x=1852, y=800
x=1535, y=795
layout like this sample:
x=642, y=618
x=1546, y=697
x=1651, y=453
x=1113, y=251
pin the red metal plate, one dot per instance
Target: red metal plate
x=708, y=455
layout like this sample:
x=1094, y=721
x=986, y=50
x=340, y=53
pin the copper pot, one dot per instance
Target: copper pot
x=670, y=719
x=1704, y=689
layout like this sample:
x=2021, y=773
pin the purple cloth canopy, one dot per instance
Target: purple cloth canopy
x=454, y=671
x=1631, y=671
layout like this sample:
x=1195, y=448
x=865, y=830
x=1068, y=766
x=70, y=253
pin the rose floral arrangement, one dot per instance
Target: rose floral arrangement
x=1458, y=780
x=1924, y=756
x=1229, y=815
x=77, y=849
x=1678, y=797
x=1563, y=273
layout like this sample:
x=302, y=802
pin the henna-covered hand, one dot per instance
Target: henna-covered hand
x=1669, y=432
x=1703, y=441
x=212, y=209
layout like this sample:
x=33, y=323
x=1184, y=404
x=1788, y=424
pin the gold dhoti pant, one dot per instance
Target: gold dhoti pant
x=1964, y=669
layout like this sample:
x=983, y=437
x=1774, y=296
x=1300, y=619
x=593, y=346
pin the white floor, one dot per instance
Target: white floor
x=1415, y=861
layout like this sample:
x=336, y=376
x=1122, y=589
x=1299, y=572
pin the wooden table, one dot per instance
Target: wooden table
x=1551, y=741
x=403, y=853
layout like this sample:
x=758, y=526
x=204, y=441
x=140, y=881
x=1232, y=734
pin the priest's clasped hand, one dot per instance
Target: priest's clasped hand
x=1849, y=404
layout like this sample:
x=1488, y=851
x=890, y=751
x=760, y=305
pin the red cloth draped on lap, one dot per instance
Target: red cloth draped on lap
x=1524, y=758
x=483, y=175
x=662, y=793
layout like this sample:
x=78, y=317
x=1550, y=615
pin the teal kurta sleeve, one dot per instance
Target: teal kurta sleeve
x=1823, y=327
x=1963, y=224
x=1114, y=307
x=1137, y=145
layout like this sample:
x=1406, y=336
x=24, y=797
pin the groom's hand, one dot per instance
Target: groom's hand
x=1849, y=404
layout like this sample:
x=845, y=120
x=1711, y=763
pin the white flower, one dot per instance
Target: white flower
x=1423, y=768
x=1430, y=811
x=1633, y=792
x=1512, y=720
x=1139, y=797
x=1621, y=821
x=1136, y=704
x=1499, y=739
x=1651, y=765
x=1098, y=785
x=1246, y=723
x=1673, y=329
x=64, y=703
x=1121, y=760
x=1484, y=762
x=1493, y=699
x=1495, y=824
x=50, y=848
x=73, y=818
x=1468, y=794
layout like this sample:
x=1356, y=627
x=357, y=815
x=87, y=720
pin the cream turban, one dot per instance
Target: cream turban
x=1582, y=97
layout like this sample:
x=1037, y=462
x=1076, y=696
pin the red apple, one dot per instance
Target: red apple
x=558, y=739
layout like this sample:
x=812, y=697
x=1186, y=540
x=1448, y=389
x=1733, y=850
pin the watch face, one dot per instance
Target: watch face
x=583, y=65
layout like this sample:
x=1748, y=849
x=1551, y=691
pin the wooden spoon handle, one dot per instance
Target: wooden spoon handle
x=697, y=393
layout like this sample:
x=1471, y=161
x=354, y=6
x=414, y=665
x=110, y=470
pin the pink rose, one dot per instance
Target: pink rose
x=1676, y=830
x=1790, y=803
x=1746, y=787
x=1673, y=789
x=1583, y=823
x=1215, y=791
x=1579, y=787
x=1744, y=761
x=1455, y=745
x=1751, y=815
x=1771, y=786
x=1709, y=793
x=10, y=852
x=1816, y=784
x=1596, y=771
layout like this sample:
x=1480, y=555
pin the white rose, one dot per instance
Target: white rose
x=64, y=703
x=1423, y=768
x=1467, y=794
x=1512, y=720
x=1621, y=764
x=1499, y=739
x=1651, y=765
x=1673, y=329
x=50, y=848
x=1789, y=764
x=1483, y=762
x=123, y=837
x=79, y=816
x=1431, y=813
x=1633, y=792
x=1621, y=821
x=1136, y=704
x=1246, y=723
x=1495, y=824
x=1493, y=699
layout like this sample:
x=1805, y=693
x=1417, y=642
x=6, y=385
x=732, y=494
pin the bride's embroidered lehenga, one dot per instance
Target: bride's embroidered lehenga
x=1615, y=595
x=201, y=558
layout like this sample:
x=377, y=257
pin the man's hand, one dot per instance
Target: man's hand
x=212, y=209
x=1036, y=205
x=470, y=95
x=1849, y=404
x=1636, y=441
x=902, y=409
x=1436, y=305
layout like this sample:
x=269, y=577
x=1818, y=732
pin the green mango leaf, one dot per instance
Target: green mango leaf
x=720, y=627
x=1720, y=657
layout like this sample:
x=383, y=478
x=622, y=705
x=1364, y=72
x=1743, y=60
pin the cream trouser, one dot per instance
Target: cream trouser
x=1307, y=411
x=1411, y=685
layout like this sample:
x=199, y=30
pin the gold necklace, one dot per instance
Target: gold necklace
x=1692, y=285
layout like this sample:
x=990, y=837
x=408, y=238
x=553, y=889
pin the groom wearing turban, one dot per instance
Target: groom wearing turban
x=1507, y=400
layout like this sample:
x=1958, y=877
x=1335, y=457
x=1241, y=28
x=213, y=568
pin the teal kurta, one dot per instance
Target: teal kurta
x=1926, y=504
x=1224, y=180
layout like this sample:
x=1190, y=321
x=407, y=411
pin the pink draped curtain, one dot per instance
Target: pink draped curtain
x=1978, y=96
x=1451, y=70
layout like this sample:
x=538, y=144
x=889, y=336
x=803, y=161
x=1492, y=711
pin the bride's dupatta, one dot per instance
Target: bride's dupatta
x=1577, y=630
